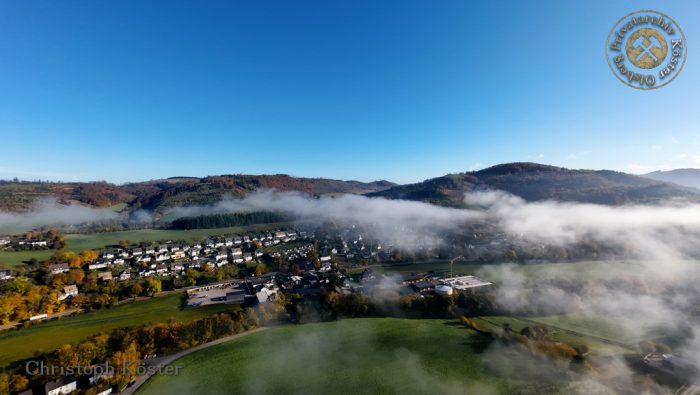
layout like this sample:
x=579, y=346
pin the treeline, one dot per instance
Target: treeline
x=123, y=348
x=228, y=220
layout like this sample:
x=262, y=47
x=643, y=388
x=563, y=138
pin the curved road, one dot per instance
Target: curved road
x=161, y=362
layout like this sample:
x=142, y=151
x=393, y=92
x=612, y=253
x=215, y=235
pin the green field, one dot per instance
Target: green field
x=23, y=343
x=12, y=259
x=362, y=356
x=79, y=242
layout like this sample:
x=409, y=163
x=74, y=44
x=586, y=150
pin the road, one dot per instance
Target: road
x=161, y=362
x=61, y=314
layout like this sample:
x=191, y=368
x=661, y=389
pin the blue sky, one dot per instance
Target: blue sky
x=398, y=90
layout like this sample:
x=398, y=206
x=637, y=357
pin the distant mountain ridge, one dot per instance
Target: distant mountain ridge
x=536, y=182
x=531, y=181
x=161, y=194
x=686, y=177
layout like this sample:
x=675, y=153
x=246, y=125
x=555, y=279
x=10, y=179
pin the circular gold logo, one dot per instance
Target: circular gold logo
x=646, y=49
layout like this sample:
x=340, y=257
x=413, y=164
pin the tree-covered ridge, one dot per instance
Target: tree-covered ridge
x=536, y=182
x=225, y=220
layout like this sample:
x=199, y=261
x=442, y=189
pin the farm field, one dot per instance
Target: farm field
x=23, y=343
x=361, y=356
x=12, y=259
x=79, y=242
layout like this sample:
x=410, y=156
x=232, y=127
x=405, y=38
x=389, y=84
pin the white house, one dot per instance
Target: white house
x=60, y=387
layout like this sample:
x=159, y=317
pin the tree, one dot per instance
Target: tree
x=88, y=256
x=135, y=290
x=124, y=243
x=260, y=269
x=153, y=286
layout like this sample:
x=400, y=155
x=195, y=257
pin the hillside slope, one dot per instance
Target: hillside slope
x=685, y=177
x=534, y=182
x=171, y=192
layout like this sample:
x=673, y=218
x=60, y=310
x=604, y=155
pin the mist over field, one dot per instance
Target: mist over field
x=49, y=212
x=653, y=297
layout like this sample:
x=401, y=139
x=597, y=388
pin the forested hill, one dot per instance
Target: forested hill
x=534, y=182
x=531, y=181
x=159, y=195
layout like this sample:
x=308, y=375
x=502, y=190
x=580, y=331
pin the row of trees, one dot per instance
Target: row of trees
x=123, y=348
x=228, y=220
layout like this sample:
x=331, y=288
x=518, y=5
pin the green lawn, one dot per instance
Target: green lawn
x=23, y=343
x=362, y=356
x=12, y=259
x=80, y=242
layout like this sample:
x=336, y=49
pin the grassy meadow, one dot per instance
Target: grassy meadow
x=22, y=343
x=362, y=356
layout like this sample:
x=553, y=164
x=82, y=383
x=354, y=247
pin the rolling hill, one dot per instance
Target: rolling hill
x=530, y=181
x=159, y=195
x=685, y=177
x=534, y=182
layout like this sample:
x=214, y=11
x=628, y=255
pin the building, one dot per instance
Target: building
x=60, y=387
x=5, y=274
x=462, y=283
x=59, y=268
x=105, y=276
x=68, y=290
x=235, y=296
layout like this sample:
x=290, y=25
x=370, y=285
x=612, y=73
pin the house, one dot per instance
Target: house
x=97, y=265
x=41, y=243
x=236, y=252
x=70, y=290
x=4, y=241
x=177, y=267
x=177, y=255
x=247, y=257
x=105, y=276
x=150, y=250
x=126, y=275
x=5, y=274
x=59, y=268
x=118, y=261
x=280, y=234
x=60, y=387
x=267, y=293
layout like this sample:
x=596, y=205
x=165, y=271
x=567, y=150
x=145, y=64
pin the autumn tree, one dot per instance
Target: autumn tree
x=153, y=286
x=135, y=290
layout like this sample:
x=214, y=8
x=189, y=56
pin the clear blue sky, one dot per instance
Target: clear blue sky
x=398, y=90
